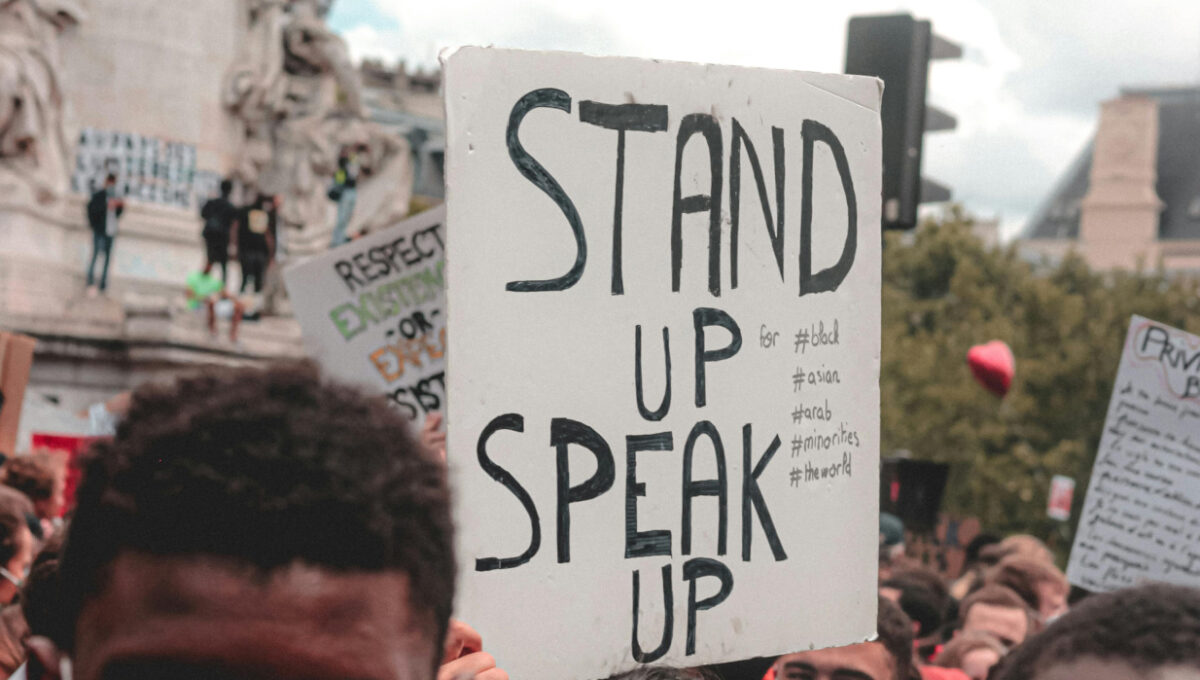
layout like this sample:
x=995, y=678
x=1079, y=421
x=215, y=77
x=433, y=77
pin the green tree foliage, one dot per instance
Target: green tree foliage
x=945, y=291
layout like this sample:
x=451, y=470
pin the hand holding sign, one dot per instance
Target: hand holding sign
x=432, y=434
x=464, y=658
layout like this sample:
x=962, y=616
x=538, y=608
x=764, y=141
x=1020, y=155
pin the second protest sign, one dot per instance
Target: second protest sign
x=664, y=308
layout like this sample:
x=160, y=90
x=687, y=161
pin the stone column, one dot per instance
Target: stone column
x=1119, y=217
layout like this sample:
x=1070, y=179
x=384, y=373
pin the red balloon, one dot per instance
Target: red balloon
x=993, y=366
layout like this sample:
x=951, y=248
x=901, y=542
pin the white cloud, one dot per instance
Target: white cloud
x=1022, y=115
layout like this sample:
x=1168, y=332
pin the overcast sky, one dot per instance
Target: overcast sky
x=1026, y=92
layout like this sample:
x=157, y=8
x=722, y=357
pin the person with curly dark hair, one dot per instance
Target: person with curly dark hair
x=259, y=524
x=1151, y=631
x=889, y=657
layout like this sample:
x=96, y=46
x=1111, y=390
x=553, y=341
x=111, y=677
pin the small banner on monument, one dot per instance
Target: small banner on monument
x=664, y=397
x=1141, y=516
x=373, y=312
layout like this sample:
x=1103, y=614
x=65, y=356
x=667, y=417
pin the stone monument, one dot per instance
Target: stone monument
x=299, y=98
x=170, y=97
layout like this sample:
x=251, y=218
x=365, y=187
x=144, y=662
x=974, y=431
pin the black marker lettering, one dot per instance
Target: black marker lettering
x=346, y=271
x=704, y=124
x=515, y=423
x=665, y=405
x=563, y=433
x=537, y=174
x=693, y=570
x=622, y=118
x=668, y=620
x=827, y=280
x=642, y=543
x=707, y=316
x=752, y=495
x=705, y=487
x=774, y=226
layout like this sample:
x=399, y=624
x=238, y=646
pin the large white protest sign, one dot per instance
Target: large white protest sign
x=1141, y=517
x=373, y=311
x=664, y=298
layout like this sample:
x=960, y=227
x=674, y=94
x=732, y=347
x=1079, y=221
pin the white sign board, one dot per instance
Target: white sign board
x=373, y=311
x=1141, y=517
x=664, y=296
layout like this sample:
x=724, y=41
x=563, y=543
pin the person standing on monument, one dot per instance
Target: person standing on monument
x=219, y=215
x=255, y=236
x=345, y=192
x=103, y=212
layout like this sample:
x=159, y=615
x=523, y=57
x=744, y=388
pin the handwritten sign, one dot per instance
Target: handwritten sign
x=373, y=311
x=1141, y=516
x=664, y=296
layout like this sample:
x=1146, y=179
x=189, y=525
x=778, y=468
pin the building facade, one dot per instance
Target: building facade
x=171, y=97
x=1132, y=197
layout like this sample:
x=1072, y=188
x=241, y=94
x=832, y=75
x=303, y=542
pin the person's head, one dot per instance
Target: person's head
x=1150, y=631
x=973, y=549
x=998, y=611
x=1041, y=585
x=110, y=181
x=16, y=542
x=256, y=524
x=920, y=604
x=887, y=658
x=930, y=594
x=1024, y=545
x=973, y=653
x=40, y=476
x=41, y=599
x=226, y=187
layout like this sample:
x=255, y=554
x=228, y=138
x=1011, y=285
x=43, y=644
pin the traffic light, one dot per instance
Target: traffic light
x=897, y=49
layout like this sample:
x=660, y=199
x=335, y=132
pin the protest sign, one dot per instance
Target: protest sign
x=1062, y=493
x=664, y=300
x=16, y=360
x=1141, y=515
x=373, y=313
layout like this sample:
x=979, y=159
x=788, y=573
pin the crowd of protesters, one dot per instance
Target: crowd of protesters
x=269, y=523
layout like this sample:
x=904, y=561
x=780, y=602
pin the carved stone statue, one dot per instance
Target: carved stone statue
x=34, y=163
x=300, y=100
